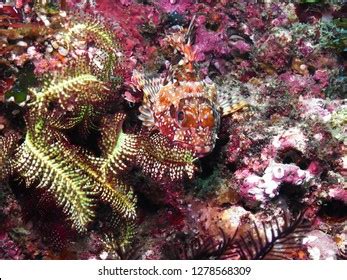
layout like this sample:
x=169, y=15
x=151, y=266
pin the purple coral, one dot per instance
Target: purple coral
x=179, y=6
x=320, y=246
x=265, y=187
x=9, y=250
x=288, y=139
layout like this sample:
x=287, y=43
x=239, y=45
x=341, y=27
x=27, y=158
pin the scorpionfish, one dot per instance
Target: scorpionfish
x=184, y=108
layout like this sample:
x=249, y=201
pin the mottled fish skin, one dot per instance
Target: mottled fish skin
x=184, y=108
x=186, y=112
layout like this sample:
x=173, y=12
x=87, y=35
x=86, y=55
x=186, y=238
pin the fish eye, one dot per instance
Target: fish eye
x=180, y=116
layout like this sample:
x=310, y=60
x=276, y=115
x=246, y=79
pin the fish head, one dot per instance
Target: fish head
x=186, y=112
x=197, y=122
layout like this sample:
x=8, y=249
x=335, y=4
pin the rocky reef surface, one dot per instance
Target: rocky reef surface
x=274, y=185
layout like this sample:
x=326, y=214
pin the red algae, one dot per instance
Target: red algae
x=112, y=86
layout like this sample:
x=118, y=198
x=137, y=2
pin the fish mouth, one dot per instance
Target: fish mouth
x=202, y=151
x=200, y=142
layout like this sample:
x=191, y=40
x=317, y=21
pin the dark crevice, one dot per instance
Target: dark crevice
x=293, y=156
x=293, y=196
x=334, y=209
x=209, y=162
x=232, y=167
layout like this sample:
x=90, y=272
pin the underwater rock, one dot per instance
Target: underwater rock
x=320, y=246
x=266, y=187
x=9, y=249
x=66, y=82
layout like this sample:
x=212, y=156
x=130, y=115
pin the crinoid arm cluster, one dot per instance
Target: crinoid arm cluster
x=8, y=145
x=66, y=108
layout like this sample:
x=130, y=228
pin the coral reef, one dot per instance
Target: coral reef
x=172, y=130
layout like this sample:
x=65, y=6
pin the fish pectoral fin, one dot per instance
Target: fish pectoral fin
x=242, y=105
x=152, y=88
x=230, y=103
x=146, y=116
x=138, y=80
x=149, y=86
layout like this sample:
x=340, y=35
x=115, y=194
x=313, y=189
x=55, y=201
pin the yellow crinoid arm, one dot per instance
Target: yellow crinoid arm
x=41, y=161
x=7, y=147
x=76, y=85
x=160, y=159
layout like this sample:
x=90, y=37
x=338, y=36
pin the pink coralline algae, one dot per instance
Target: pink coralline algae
x=267, y=186
x=306, y=85
x=320, y=246
x=338, y=193
x=179, y=6
x=9, y=249
x=315, y=108
x=272, y=53
x=293, y=138
x=278, y=162
x=305, y=47
x=208, y=41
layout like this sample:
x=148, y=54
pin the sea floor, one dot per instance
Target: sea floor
x=173, y=130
